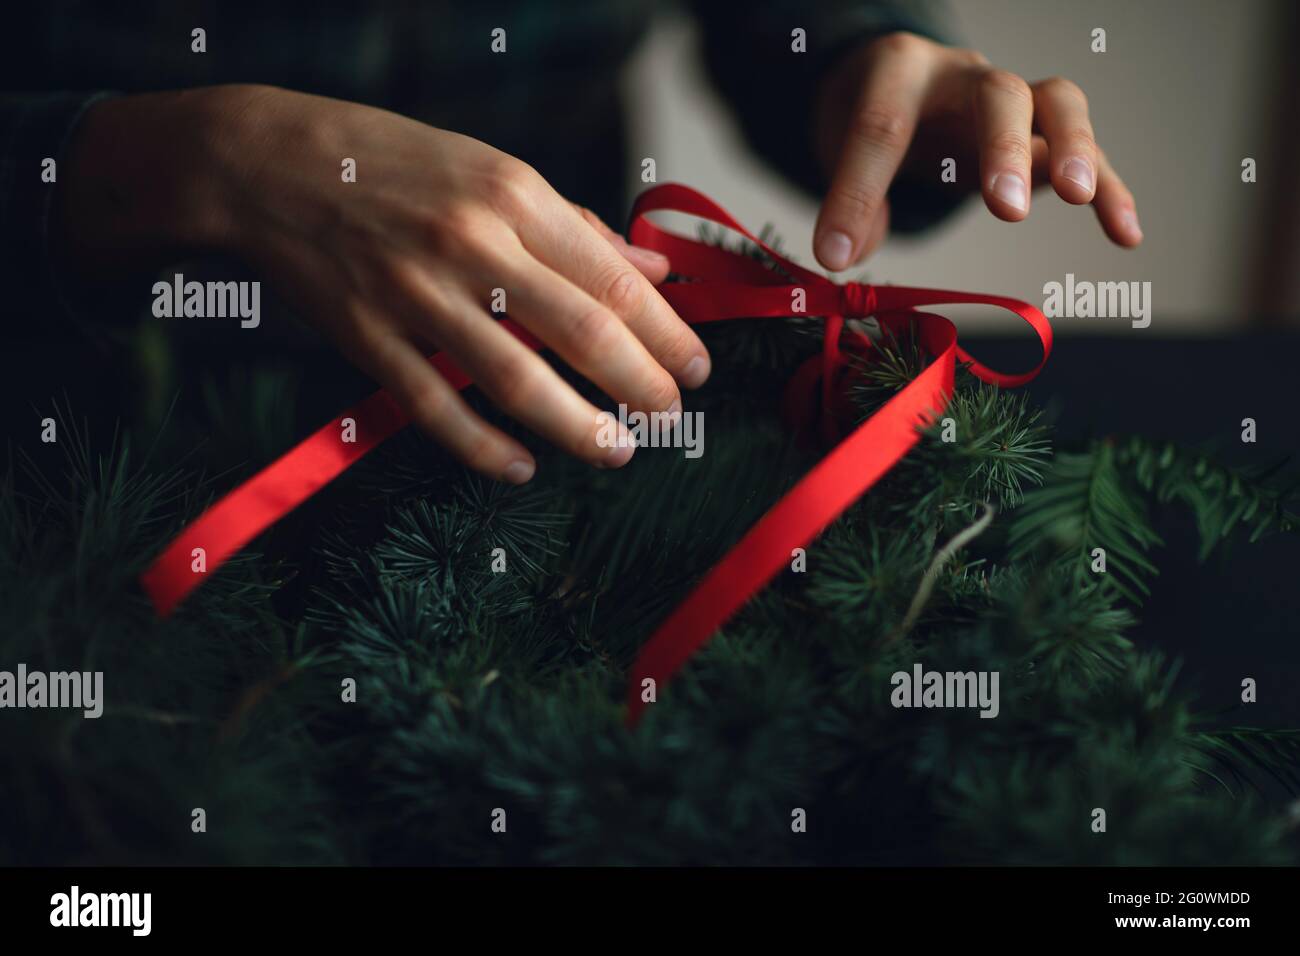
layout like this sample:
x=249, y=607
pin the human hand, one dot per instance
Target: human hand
x=902, y=103
x=402, y=262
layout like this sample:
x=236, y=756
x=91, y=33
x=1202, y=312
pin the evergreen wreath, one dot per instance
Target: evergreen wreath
x=477, y=690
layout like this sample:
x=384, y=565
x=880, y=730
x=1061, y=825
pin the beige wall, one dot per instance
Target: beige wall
x=1178, y=100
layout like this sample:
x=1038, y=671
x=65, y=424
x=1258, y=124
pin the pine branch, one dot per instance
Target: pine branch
x=941, y=558
x=1221, y=497
x=1246, y=752
x=1084, y=505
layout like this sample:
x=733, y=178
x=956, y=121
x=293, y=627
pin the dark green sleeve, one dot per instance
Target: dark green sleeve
x=747, y=48
x=33, y=127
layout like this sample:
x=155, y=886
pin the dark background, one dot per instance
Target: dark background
x=1234, y=616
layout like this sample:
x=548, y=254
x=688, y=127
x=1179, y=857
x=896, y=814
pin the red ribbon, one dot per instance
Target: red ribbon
x=721, y=285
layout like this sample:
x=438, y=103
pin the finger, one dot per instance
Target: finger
x=878, y=231
x=879, y=131
x=561, y=240
x=438, y=408
x=653, y=265
x=1115, y=206
x=1061, y=114
x=513, y=376
x=1004, y=118
x=1042, y=167
x=591, y=338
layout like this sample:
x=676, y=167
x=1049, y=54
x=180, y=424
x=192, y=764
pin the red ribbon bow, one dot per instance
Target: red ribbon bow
x=721, y=285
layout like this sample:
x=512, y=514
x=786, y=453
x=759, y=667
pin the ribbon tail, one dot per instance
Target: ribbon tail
x=244, y=513
x=820, y=497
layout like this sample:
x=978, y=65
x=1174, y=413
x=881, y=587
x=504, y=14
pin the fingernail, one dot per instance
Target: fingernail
x=619, y=456
x=645, y=260
x=1079, y=172
x=621, y=452
x=834, y=250
x=650, y=255
x=1010, y=188
x=1129, y=220
x=696, y=371
x=518, y=472
x=674, y=413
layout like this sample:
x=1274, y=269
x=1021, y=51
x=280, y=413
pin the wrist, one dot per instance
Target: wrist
x=147, y=180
